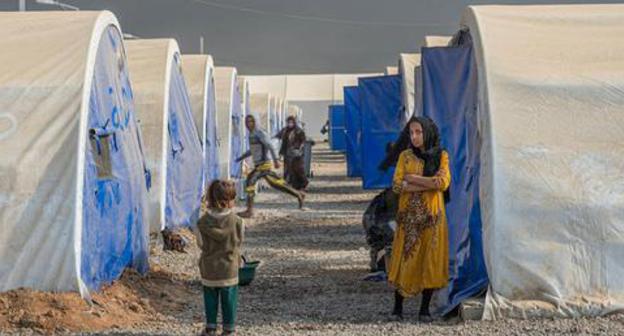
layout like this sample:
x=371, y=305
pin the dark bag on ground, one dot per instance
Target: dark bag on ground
x=376, y=220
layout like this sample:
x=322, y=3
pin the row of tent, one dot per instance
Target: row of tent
x=104, y=140
x=529, y=101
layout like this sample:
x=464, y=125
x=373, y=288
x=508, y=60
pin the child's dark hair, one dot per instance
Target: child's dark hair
x=220, y=193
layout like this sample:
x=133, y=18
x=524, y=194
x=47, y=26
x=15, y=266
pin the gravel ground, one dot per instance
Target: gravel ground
x=310, y=279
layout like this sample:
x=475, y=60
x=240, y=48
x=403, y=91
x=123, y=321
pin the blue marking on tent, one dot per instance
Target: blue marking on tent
x=113, y=231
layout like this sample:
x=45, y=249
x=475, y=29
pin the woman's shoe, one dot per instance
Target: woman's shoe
x=425, y=318
x=395, y=317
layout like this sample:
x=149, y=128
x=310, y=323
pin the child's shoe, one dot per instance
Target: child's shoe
x=209, y=332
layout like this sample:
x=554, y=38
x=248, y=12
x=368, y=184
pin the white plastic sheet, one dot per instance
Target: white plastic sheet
x=552, y=113
x=409, y=65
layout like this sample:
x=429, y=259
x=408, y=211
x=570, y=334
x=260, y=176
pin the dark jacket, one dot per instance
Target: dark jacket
x=292, y=146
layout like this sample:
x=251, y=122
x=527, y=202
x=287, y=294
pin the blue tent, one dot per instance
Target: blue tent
x=74, y=190
x=353, y=131
x=449, y=78
x=337, y=138
x=184, y=158
x=380, y=106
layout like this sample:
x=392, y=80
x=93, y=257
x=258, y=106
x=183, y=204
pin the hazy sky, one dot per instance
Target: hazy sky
x=291, y=36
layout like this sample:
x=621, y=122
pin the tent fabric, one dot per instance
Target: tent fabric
x=551, y=87
x=273, y=126
x=73, y=191
x=261, y=107
x=172, y=144
x=337, y=136
x=297, y=112
x=353, y=131
x=280, y=115
x=274, y=121
x=245, y=95
x=436, y=41
x=409, y=66
x=380, y=108
x=229, y=113
x=450, y=100
x=315, y=116
x=198, y=73
x=392, y=70
x=343, y=80
x=313, y=93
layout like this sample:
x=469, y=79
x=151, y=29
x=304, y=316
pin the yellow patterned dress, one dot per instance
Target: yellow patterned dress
x=420, y=249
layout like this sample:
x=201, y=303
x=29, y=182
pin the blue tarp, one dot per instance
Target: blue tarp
x=337, y=137
x=114, y=232
x=184, y=158
x=449, y=78
x=380, y=106
x=353, y=131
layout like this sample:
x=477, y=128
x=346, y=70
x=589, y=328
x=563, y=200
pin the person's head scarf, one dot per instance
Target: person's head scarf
x=293, y=120
x=431, y=152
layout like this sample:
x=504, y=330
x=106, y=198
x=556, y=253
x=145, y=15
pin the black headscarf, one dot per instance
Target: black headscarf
x=394, y=150
x=431, y=155
x=432, y=151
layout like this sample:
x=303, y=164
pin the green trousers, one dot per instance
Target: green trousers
x=229, y=300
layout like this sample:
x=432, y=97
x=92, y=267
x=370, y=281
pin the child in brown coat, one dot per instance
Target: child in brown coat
x=220, y=235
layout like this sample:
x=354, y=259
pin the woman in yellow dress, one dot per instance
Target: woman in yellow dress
x=419, y=261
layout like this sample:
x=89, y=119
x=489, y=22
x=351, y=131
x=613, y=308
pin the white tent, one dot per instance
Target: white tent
x=391, y=70
x=409, y=67
x=229, y=111
x=282, y=113
x=261, y=107
x=171, y=141
x=274, y=120
x=198, y=72
x=73, y=194
x=551, y=88
x=285, y=112
x=436, y=41
x=313, y=93
x=245, y=94
x=274, y=116
x=297, y=112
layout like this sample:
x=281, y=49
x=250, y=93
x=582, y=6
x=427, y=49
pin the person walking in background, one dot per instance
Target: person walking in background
x=259, y=149
x=219, y=235
x=419, y=261
x=293, y=140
